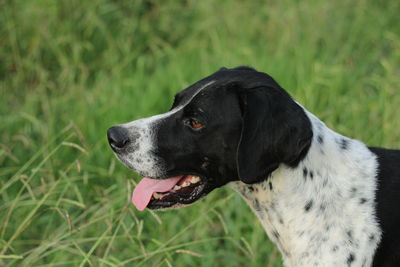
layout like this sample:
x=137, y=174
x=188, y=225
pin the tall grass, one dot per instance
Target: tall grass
x=71, y=69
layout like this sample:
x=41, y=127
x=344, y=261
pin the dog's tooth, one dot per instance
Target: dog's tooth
x=185, y=184
x=195, y=179
x=156, y=195
x=177, y=187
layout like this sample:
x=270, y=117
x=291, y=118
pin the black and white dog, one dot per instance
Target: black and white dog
x=323, y=199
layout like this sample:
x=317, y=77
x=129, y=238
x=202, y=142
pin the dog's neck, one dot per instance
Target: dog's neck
x=321, y=213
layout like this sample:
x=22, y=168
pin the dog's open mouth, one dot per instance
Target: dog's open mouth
x=166, y=193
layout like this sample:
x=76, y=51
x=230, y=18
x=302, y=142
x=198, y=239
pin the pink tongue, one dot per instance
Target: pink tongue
x=144, y=190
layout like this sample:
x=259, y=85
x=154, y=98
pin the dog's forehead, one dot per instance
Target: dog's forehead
x=212, y=85
x=186, y=96
x=208, y=84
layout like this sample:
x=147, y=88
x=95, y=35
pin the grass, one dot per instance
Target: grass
x=71, y=69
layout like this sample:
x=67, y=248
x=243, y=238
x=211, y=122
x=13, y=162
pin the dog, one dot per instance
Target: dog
x=324, y=199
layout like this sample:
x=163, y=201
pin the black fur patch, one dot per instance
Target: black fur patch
x=276, y=235
x=305, y=172
x=350, y=259
x=309, y=205
x=344, y=143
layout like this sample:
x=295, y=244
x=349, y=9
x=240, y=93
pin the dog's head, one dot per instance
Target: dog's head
x=236, y=124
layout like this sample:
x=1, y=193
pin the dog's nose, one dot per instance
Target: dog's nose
x=117, y=137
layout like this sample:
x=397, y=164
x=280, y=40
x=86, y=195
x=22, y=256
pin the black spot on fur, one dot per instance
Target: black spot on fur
x=363, y=200
x=305, y=173
x=371, y=237
x=251, y=188
x=350, y=259
x=257, y=205
x=320, y=139
x=308, y=206
x=276, y=235
x=349, y=234
x=270, y=185
x=264, y=187
x=344, y=143
x=311, y=175
x=335, y=248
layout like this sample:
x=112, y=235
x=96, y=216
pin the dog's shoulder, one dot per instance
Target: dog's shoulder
x=388, y=205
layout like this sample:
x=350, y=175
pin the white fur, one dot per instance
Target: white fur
x=140, y=156
x=340, y=226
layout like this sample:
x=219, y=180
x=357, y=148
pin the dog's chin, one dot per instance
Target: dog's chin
x=182, y=195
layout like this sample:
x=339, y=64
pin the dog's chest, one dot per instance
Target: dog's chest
x=311, y=231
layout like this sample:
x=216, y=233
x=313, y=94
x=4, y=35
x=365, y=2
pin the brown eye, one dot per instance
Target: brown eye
x=195, y=124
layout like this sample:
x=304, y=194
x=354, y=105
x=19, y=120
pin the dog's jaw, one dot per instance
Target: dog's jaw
x=321, y=213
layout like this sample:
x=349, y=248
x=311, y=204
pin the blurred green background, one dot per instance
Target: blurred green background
x=71, y=69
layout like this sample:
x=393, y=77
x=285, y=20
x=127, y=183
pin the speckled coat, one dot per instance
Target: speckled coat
x=321, y=213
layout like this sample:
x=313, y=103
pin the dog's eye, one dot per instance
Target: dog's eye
x=195, y=124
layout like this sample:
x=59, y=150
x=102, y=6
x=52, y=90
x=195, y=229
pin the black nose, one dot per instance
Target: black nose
x=117, y=137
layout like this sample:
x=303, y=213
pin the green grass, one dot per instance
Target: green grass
x=71, y=69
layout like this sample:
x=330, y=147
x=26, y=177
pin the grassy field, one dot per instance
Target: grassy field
x=71, y=69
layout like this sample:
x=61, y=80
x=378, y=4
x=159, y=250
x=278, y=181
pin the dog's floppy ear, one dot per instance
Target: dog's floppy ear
x=275, y=130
